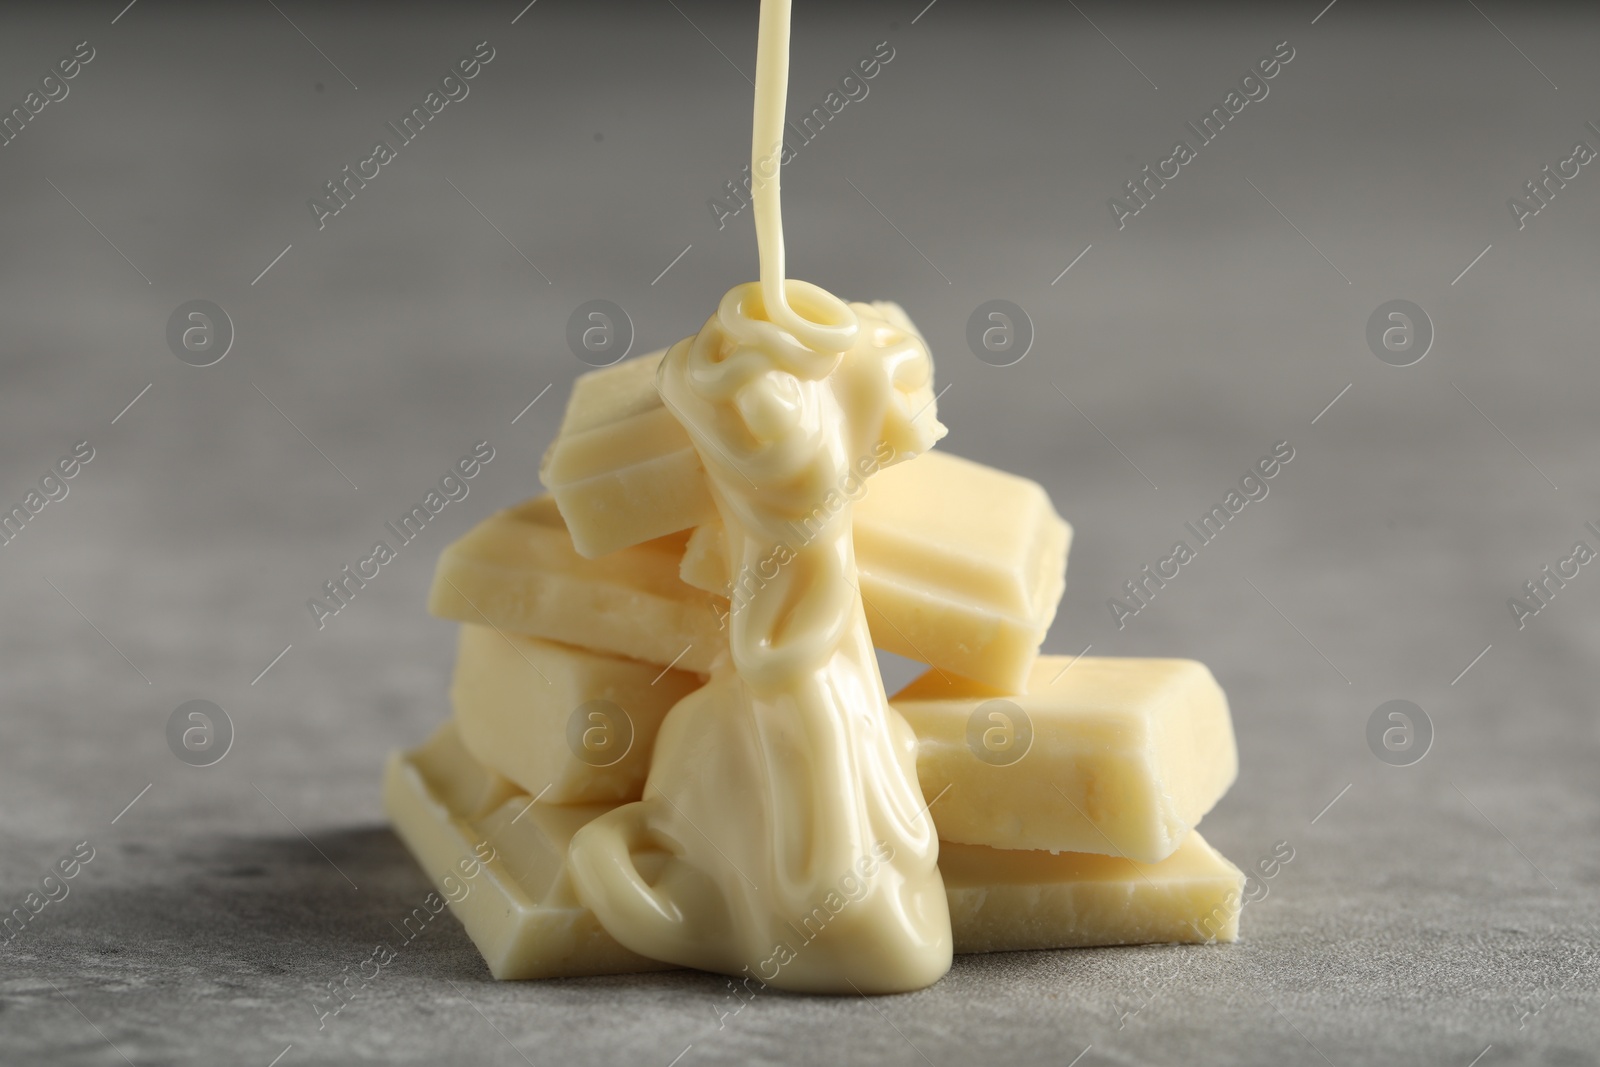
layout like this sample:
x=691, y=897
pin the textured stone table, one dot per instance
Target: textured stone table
x=1432, y=913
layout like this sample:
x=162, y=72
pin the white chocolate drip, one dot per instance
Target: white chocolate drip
x=782, y=833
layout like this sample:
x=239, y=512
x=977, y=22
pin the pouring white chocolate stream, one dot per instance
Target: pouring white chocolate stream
x=782, y=832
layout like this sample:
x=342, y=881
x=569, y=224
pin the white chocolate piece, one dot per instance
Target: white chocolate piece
x=517, y=571
x=622, y=469
x=565, y=724
x=988, y=545
x=503, y=871
x=1001, y=901
x=1125, y=756
x=521, y=913
x=961, y=566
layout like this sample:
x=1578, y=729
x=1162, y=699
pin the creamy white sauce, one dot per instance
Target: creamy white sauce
x=782, y=834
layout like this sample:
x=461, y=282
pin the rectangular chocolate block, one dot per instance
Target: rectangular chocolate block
x=622, y=468
x=517, y=570
x=1103, y=755
x=961, y=566
x=565, y=724
x=1002, y=900
x=518, y=906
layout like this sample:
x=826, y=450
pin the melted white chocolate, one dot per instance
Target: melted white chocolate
x=782, y=832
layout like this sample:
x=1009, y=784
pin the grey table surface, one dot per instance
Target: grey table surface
x=1433, y=913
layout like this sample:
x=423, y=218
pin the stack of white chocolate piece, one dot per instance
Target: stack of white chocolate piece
x=1065, y=791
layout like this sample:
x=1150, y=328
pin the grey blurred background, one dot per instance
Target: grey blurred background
x=1432, y=913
